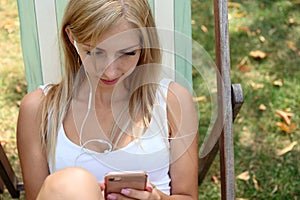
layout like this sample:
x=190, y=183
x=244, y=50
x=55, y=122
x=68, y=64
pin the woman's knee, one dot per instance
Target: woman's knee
x=70, y=183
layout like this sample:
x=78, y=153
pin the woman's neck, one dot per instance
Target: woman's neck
x=106, y=96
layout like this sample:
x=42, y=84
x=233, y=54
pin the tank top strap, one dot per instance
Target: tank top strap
x=163, y=91
x=45, y=88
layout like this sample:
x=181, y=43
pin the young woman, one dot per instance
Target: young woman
x=112, y=111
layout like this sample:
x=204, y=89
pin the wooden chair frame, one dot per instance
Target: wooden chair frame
x=229, y=104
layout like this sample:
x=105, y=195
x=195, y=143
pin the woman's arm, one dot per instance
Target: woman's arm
x=32, y=156
x=183, y=127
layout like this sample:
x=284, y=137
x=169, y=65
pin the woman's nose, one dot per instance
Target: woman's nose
x=111, y=71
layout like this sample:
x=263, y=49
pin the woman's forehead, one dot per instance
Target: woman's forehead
x=120, y=36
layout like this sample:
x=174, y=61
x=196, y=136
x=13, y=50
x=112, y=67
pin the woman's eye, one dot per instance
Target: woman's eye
x=93, y=53
x=130, y=53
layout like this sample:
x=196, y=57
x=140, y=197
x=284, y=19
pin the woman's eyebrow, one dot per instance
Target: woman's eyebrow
x=88, y=46
x=131, y=47
x=121, y=50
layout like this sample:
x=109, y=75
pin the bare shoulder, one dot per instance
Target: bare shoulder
x=32, y=101
x=181, y=109
x=29, y=121
x=178, y=94
x=31, y=105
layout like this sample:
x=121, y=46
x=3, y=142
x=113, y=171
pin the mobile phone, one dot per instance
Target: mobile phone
x=116, y=181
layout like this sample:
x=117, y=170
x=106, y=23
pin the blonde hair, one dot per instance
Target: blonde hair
x=88, y=20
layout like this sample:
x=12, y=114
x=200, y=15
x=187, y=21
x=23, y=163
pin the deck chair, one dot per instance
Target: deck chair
x=37, y=37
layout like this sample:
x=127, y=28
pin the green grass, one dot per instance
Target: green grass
x=257, y=137
x=12, y=80
x=254, y=25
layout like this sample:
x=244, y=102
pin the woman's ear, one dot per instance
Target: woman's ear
x=69, y=33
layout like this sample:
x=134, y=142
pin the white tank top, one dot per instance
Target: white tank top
x=150, y=153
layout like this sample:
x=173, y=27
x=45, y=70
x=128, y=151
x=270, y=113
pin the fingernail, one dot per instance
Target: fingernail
x=102, y=186
x=111, y=197
x=125, y=191
x=149, y=188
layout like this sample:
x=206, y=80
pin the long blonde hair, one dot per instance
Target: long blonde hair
x=88, y=20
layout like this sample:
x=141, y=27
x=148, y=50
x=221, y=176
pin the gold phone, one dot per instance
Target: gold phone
x=116, y=181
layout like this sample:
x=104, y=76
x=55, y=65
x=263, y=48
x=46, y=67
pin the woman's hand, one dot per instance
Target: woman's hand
x=128, y=194
x=102, y=186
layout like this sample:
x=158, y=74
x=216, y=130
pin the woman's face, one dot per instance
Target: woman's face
x=116, y=55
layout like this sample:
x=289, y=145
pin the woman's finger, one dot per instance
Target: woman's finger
x=102, y=186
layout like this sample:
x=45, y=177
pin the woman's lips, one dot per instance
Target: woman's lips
x=109, y=82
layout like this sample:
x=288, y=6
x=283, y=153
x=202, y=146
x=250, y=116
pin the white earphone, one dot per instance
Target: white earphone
x=110, y=147
x=76, y=47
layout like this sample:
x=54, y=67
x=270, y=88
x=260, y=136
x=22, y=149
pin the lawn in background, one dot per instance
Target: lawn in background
x=265, y=59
